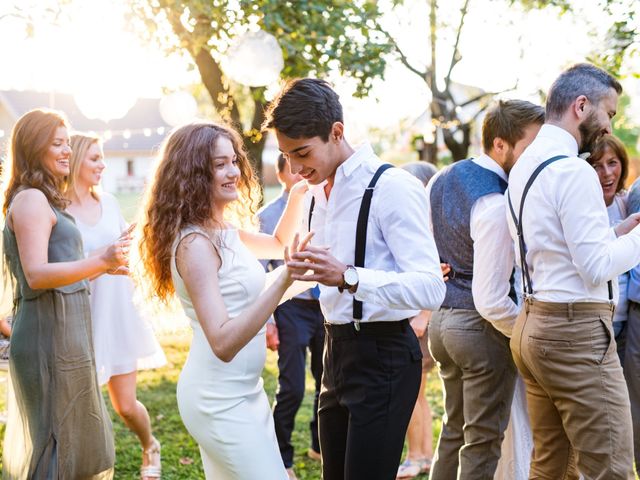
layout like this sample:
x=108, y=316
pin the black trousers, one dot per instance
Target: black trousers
x=369, y=388
x=300, y=326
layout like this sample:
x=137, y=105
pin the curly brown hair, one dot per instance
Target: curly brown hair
x=30, y=138
x=180, y=195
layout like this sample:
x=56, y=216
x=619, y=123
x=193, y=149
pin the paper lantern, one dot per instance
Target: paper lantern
x=178, y=108
x=254, y=59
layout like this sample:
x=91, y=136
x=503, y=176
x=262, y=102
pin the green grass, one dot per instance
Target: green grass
x=180, y=454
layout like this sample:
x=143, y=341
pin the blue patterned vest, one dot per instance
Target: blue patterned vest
x=452, y=197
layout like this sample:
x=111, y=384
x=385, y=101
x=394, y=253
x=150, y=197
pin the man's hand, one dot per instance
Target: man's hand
x=420, y=322
x=325, y=268
x=446, y=268
x=273, y=342
x=627, y=224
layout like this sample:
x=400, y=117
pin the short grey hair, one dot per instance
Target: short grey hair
x=580, y=79
x=423, y=171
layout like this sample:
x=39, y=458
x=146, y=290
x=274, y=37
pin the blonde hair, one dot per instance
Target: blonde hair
x=31, y=137
x=180, y=195
x=80, y=144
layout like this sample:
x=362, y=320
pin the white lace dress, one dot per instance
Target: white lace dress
x=123, y=341
x=224, y=405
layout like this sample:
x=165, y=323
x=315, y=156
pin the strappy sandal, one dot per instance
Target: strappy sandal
x=413, y=468
x=153, y=469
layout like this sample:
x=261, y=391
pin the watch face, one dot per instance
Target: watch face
x=351, y=276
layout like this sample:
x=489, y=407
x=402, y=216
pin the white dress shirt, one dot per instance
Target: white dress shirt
x=402, y=269
x=493, y=254
x=571, y=250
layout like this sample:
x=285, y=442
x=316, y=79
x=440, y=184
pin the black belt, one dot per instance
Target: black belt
x=462, y=276
x=305, y=301
x=341, y=330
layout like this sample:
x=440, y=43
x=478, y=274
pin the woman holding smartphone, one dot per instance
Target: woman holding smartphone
x=123, y=341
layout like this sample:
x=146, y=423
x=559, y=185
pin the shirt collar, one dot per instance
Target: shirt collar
x=560, y=135
x=355, y=160
x=489, y=163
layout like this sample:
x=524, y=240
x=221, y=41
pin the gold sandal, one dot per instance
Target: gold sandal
x=152, y=456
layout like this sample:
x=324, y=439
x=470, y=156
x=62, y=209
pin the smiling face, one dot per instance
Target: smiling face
x=56, y=159
x=598, y=120
x=609, y=170
x=92, y=166
x=226, y=173
x=312, y=158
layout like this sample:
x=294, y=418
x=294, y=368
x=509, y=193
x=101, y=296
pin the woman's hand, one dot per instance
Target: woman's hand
x=116, y=256
x=296, y=246
x=299, y=189
x=420, y=322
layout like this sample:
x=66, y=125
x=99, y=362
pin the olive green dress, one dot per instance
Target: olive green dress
x=58, y=427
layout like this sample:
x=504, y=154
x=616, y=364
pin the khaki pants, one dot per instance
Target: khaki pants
x=576, y=392
x=478, y=376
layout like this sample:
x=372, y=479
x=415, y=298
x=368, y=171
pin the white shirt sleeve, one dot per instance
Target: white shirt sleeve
x=493, y=262
x=597, y=254
x=401, y=209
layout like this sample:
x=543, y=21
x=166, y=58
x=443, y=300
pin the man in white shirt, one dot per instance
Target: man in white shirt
x=562, y=341
x=468, y=336
x=372, y=357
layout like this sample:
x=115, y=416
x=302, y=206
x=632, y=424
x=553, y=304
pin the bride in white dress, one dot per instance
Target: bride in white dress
x=188, y=247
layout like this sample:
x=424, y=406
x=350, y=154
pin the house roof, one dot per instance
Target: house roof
x=143, y=123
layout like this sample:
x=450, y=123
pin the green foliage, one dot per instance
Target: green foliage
x=625, y=128
x=316, y=36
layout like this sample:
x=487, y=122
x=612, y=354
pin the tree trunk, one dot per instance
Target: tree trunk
x=459, y=150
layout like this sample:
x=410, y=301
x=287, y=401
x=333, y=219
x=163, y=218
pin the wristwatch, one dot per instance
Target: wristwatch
x=349, y=278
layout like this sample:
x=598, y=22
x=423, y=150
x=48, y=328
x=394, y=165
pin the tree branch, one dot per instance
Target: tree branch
x=403, y=57
x=210, y=71
x=455, y=56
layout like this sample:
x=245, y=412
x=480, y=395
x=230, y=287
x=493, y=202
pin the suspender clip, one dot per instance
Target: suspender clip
x=356, y=325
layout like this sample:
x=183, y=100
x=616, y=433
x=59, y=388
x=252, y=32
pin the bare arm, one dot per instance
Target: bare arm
x=198, y=264
x=32, y=220
x=272, y=246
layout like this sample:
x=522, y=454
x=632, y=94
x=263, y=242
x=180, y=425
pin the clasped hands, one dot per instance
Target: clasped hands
x=310, y=263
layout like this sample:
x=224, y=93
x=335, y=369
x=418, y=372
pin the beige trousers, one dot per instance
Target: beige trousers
x=576, y=393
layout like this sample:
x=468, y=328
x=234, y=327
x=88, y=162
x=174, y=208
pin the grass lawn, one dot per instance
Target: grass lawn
x=157, y=390
x=180, y=454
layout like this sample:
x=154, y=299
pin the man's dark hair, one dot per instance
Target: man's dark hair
x=305, y=108
x=580, y=79
x=507, y=120
x=281, y=162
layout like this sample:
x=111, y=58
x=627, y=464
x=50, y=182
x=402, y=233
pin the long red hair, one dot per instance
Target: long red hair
x=30, y=138
x=181, y=195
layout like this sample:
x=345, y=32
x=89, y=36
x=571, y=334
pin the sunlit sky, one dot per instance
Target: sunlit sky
x=93, y=55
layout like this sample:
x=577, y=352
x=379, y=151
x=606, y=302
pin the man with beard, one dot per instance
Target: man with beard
x=469, y=334
x=562, y=341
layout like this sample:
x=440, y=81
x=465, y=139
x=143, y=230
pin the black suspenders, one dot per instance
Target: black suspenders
x=361, y=228
x=526, y=277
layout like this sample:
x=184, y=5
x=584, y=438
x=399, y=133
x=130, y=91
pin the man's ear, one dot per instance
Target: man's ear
x=499, y=145
x=580, y=106
x=337, y=132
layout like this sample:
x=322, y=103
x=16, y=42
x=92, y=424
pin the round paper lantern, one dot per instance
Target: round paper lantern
x=254, y=59
x=178, y=108
x=105, y=103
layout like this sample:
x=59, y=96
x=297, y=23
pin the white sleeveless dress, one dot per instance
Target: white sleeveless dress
x=224, y=405
x=123, y=341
